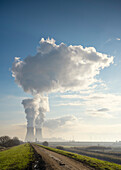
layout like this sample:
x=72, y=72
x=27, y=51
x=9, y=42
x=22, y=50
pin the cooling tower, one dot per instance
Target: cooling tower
x=30, y=135
x=38, y=135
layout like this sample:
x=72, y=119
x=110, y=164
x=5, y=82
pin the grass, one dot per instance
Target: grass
x=92, y=162
x=106, y=156
x=18, y=157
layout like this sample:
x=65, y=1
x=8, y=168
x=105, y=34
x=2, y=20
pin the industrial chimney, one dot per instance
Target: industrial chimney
x=30, y=111
x=38, y=126
x=38, y=134
x=30, y=134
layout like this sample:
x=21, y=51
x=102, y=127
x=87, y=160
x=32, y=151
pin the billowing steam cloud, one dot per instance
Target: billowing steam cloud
x=59, y=68
x=43, y=108
x=55, y=68
x=35, y=109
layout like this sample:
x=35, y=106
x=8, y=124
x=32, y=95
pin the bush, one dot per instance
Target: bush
x=60, y=147
x=45, y=143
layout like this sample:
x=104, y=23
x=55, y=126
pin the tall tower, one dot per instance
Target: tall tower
x=30, y=111
x=29, y=135
x=38, y=134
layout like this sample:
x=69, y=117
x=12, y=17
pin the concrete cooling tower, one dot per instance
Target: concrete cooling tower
x=30, y=135
x=38, y=134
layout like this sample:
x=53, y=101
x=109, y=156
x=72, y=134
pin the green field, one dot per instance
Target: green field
x=114, y=157
x=92, y=162
x=18, y=157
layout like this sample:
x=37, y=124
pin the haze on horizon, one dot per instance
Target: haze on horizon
x=66, y=55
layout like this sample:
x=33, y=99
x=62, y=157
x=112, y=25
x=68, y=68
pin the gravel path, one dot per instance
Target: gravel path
x=55, y=161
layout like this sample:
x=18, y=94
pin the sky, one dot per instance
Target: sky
x=90, y=114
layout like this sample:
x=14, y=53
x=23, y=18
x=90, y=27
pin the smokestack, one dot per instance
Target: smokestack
x=30, y=106
x=38, y=134
x=43, y=108
x=29, y=135
x=38, y=126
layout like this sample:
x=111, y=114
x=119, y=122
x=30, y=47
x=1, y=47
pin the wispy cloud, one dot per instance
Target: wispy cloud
x=107, y=41
x=112, y=39
x=58, y=122
x=118, y=39
x=105, y=105
x=100, y=113
x=77, y=103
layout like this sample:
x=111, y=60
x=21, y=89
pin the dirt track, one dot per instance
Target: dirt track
x=55, y=161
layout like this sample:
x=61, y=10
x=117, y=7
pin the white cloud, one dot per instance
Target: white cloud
x=107, y=41
x=55, y=123
x=118, y=39
x=112, y=39
x=79, y=130
x=99, y=113
x=95, y=104
x=59, y=68
x=73, y=96
x=77, y=103
x=101, y=100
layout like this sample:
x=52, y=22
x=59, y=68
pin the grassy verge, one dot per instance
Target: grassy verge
x=92, y=162
x=103, y=156
x=18, y=157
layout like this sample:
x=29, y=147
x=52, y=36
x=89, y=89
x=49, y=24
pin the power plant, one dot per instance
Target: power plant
x=35, y=110
x=30, y=134
x=38, y=134
x=31, y=137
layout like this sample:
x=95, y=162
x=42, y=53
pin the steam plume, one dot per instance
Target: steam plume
x=55, y=68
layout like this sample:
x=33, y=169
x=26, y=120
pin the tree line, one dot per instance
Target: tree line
x=6, y=141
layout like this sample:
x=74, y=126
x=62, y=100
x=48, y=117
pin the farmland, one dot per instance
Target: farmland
x=105, y=155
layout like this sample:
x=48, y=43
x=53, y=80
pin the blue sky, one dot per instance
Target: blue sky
x=95, y=23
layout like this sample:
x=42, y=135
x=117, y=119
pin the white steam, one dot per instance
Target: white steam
x=43, y=108
x=35, y=110
x=59, y=68
x=56, y=68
